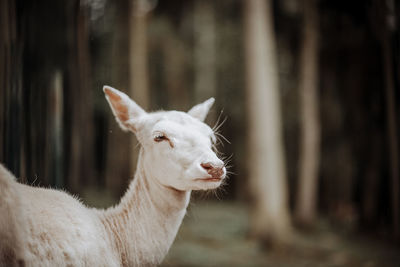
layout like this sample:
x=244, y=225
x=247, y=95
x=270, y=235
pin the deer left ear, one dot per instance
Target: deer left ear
x=200, y=111
x=125, y=110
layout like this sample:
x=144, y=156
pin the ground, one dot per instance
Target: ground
x=216, y=234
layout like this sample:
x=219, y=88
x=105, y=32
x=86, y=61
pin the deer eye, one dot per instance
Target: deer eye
x=160, y=137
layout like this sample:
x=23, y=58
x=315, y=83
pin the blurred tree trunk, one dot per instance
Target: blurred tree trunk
x=305, y=207
x=129, y=75
x=139, y=85
x=174, y=53
x=371, y=185
x=118, y=168
x=81, y=163
x=270, y=214
x=389, y=27
x=10, y=87
x=138, y=53
x=204, y=50
x=56, y=130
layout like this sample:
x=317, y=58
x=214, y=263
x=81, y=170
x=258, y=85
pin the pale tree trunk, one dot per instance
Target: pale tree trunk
x=204, y=50
x=139, y=86
x=56, y=130
x=270, y=214
x=138, y=60
x=305, y=208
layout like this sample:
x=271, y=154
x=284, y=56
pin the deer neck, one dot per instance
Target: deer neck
x=145, y=223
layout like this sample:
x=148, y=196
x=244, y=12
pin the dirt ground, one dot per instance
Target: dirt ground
x=215, y=234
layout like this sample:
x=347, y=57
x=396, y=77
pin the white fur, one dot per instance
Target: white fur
x=45, y=227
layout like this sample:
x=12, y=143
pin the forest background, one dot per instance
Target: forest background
x=308, y=92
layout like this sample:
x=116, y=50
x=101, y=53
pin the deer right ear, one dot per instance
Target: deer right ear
x=200, y=111
x=125, y=110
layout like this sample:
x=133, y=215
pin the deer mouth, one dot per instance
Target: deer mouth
x=213, y=179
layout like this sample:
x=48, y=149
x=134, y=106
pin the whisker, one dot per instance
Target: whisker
x=231, y=173
x=36, y=177
x=219, y=118
x=137, y=145
x=227, y=160
x=219, y=141
x=216, y=150
x=215, y=129
x=229, y=157
x=223, y=137
x=228, y=166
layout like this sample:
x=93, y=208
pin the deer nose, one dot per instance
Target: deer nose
x=216, y=171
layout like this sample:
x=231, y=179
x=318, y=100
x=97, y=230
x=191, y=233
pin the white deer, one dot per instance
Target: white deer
x=45, y=227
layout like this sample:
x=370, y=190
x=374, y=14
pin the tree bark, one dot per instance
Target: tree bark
x=204, y=50
x=56, y=130
x=305, y=207
x=11, y=48
x=391, y=115
x=81, y=157
x=270, y=214
x=139, y=77
x=118, y=162
x=138, y=53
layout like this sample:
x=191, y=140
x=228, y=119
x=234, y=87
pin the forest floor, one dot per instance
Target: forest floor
x=216, y=234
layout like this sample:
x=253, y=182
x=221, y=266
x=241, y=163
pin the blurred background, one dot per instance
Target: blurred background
x=308, y=89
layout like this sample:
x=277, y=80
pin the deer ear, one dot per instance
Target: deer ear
x=125, y=110
x=200, y=111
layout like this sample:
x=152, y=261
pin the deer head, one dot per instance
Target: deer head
x=177, y=146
